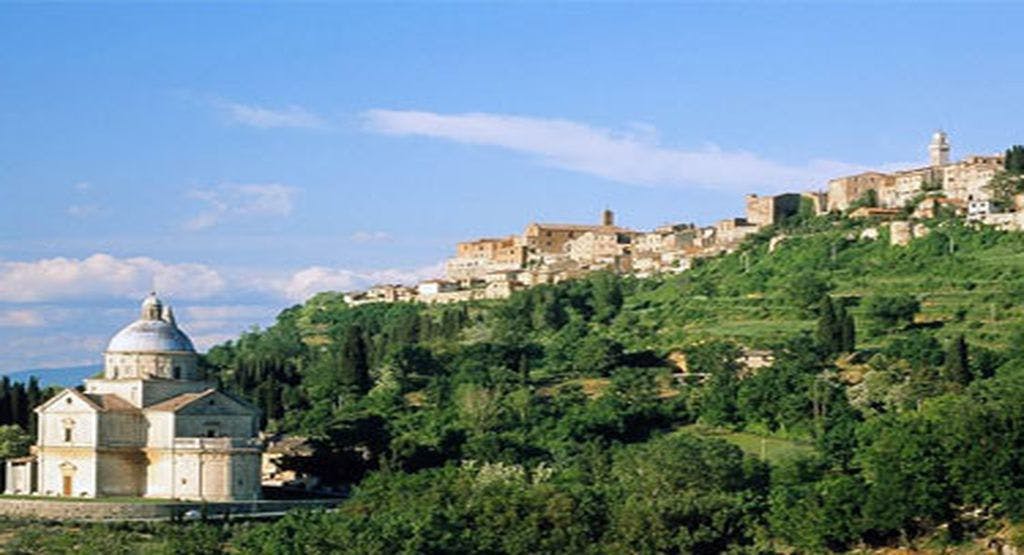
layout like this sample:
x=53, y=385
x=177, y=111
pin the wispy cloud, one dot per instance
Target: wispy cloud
x=21, y=318
x=307, y=282
x=634, y=157
x=263, y=117
x=240, y=201
x=103, y=276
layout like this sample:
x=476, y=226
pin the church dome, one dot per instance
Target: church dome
x=154, y=332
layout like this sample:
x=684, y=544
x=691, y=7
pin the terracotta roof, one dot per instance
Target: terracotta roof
x=175, y=403
x=112, y=403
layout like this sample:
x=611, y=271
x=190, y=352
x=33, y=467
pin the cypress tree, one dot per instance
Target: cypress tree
x=829, y=333
x=956, y=367
x=355, y=370
x=5, y=401
x=33, y=397
x=848, y=331
x=17, y=408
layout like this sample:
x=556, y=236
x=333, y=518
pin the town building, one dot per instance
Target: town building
x=844, y=191
x=547, y=238
x=770, y=210
x=149, y=427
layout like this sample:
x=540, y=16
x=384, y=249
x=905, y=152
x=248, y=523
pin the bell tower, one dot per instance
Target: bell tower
x=938, y=150
x=607, y=218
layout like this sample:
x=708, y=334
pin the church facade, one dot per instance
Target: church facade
x=149, y=427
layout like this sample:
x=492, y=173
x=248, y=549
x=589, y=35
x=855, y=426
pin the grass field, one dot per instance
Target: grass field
x=771, y=449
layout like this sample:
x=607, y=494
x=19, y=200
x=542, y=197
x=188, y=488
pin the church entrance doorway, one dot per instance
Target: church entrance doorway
x=67, y=472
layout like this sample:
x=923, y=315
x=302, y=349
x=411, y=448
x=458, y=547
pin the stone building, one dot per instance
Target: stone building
x=382, y=293
x=968, y=179
x=733, y=230
x=473, y=259
x=844, y=191
x=544, y=238
x=770, y=210
x=149, y=427
x=598, y=247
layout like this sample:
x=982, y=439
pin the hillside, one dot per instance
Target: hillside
x=558, y=419
x=747, y=296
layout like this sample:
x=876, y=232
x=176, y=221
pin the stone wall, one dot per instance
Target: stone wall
x=102, y=510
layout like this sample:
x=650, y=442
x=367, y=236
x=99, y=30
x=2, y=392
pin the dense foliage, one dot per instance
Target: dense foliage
x=17, y=401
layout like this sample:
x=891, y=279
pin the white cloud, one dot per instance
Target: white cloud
x=267, y=118
x=21, y=318
x=371, y=237
x=102, y=275
x=635, y=157
x=225, y=319
x=241, y=201
x=82, y=186
x=307, y=282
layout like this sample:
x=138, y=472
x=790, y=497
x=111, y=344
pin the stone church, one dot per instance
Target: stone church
x=149, y=427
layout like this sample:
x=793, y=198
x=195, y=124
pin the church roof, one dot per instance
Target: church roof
x=106, y=402
x=109, y=402
x=73, y=392
x=155, y=331
x=174, y=404
x=234, y=405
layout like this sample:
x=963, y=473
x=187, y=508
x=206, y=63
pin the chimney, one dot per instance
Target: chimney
x=607, y=218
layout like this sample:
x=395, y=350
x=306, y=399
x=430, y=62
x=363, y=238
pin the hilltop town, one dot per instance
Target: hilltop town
x=495, y=267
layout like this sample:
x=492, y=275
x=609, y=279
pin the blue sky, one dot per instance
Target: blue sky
x=240, y=157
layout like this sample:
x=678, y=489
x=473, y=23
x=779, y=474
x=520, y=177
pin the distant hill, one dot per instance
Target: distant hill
x=59, y=377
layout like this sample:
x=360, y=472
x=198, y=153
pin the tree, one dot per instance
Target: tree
x=355, y=370
x=805, y=290
x=1014, y=160
x=14, y=442
x=718, y=396
x=597, y=355
x=955, y=368
x=829, y=333
x=905, y=466
x=888, y=312
x=607, y=296
x=682, y=494
x=848, y=330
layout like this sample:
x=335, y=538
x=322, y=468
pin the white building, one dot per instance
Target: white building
x=148, y=428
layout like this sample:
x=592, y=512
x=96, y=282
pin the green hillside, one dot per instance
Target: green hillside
x=560, y=419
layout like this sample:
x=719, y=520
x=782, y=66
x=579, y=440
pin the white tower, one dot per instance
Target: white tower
x=938, y=150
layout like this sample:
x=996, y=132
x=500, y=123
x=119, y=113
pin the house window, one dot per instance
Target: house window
x=67, y=434
x=177, y=372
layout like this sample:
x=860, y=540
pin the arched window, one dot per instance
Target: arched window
x=69, y=427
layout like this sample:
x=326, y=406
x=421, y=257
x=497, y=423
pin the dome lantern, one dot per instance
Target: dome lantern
x=152, y=347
